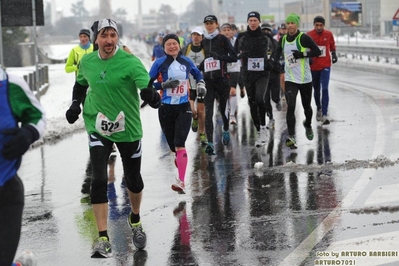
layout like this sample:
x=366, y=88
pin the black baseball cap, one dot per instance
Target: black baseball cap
x=210, y=18
x=266, y=26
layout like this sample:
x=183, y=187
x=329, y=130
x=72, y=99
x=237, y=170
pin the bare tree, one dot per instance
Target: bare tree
x=166, y=16
x=196, y=12
x=78, y=10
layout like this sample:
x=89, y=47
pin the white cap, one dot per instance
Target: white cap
x=105, y=23
x=198, y=30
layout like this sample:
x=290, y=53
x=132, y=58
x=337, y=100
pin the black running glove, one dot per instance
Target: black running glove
x=20, y=141
x=151, y=96
x=297, y=54
x=72, y=114
x=334, y=57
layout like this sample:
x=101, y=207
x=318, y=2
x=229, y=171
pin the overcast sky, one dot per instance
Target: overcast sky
x=131, y=6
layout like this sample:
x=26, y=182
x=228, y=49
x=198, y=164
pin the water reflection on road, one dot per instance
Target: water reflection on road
x=232, y=214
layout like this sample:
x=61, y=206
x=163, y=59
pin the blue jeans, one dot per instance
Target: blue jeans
x=321, y=78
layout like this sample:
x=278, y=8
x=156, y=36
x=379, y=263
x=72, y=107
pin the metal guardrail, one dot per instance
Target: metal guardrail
x=40, y=86
x=370, y=52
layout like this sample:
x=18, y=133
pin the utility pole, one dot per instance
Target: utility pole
x=35, y=49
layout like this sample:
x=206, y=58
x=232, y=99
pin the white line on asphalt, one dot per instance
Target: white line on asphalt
x=383, y=196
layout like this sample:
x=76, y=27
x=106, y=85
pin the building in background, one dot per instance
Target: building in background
x=375, y=18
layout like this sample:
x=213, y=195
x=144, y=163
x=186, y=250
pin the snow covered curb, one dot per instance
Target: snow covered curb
x=379, y=67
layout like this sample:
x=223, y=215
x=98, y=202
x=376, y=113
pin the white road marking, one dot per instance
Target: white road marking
x=383, y=196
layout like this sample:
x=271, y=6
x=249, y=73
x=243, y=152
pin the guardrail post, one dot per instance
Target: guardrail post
x=46, y=74
x=31, y=81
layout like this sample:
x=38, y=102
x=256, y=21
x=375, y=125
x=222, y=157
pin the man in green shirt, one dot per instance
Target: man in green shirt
x=111, y=115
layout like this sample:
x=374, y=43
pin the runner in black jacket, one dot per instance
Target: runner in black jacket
x=252, y=47
x=218, y=52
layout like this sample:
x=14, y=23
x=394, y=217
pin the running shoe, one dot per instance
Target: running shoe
x=308, y=131
x=203, y=139
x=226, y=137
x=26, y=258
x=139, y=236
x=210, y=149
x=319, y=115
x=178, y=186
x=85, y=199
x=258, y=141
x=324, y=120
x=233, y=120
x=194, y=125
x=102, y=248
x=291, y=143
x=263, y=136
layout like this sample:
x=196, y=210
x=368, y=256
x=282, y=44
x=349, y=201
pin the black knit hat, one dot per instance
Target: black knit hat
x=170, y=36
x=253, y=14
x=85, y=32
x=319, y=19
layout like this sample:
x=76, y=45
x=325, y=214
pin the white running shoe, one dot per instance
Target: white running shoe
x=263, y=135
x=324, y=120
x=178, y=186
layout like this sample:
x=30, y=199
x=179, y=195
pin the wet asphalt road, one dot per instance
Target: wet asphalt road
x=336, y=193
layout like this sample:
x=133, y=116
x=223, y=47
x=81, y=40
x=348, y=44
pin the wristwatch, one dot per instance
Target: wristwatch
x=305, y=54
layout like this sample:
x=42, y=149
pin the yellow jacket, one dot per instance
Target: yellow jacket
x=74, y=58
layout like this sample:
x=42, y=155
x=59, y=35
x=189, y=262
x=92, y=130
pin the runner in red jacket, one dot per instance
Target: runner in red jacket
x=321, y=66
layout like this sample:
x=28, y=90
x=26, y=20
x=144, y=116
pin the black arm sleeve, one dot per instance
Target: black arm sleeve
x=79, y=92
x=273, y=46
x=308, y=42
x=232, y=56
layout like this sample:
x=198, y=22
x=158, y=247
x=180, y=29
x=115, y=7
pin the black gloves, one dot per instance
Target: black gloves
x=297, y=54
x=20, y=142
x=72, y=114
x=334, y=57
x=201, y=90
x=170, y=83
x=151, y=96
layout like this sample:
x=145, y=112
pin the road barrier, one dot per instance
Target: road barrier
x=39, y=86
x=388, y=54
